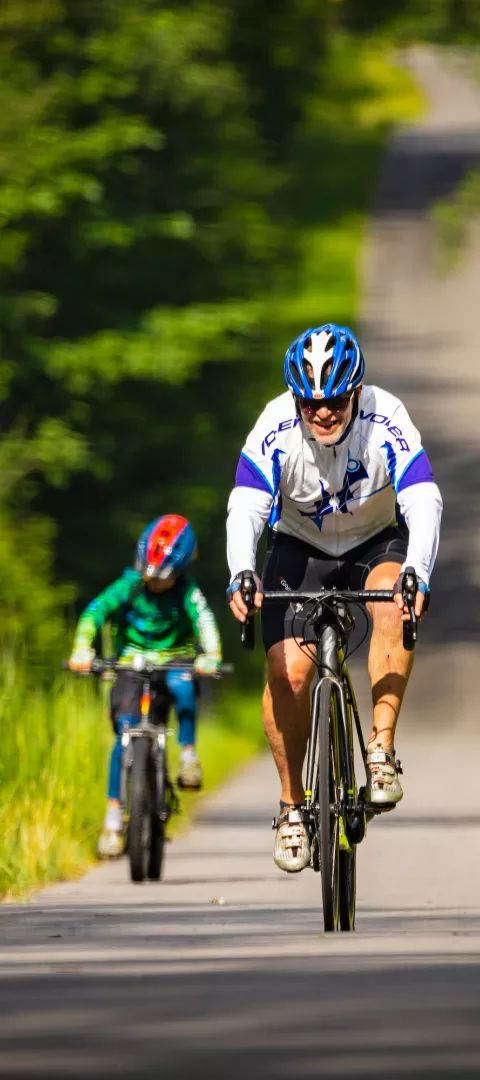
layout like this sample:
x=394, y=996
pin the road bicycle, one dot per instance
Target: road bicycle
x=147, y=794
x=334, y=810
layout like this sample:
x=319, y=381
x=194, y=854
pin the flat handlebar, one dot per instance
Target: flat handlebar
x=99, y=666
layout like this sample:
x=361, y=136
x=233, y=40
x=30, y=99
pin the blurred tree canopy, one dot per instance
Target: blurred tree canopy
x=137, y=224
x=444, y=21
x=145, y=153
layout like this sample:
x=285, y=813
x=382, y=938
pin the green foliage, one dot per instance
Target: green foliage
x=453, y=218
x=182, y=189
x=443, y=21
x=164, y=175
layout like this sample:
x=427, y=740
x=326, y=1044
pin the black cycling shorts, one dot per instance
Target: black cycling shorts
x=294, y=564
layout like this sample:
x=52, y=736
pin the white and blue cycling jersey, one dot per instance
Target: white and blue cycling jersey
x=335, y=498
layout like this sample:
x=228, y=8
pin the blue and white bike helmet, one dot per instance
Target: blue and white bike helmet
x=309, y=356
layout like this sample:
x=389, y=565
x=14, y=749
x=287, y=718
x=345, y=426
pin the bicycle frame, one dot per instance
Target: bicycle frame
x=332, y=669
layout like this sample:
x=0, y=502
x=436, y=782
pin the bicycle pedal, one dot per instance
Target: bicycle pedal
x=374, y=810
x=173, y=802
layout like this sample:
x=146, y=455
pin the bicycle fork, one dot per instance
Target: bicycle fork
x=157, y=736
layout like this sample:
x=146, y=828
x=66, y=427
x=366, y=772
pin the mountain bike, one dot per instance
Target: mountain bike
x=147, y=794
x=335, y=810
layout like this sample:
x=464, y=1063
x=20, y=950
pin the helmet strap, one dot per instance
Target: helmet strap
x=350, y=424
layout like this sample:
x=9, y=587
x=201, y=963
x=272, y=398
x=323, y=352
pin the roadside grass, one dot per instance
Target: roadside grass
x=55, y=742
x=52, y=777
x=53, y=770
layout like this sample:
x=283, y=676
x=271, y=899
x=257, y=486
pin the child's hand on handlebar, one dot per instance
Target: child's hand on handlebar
x=81, y=661
x=206, y=665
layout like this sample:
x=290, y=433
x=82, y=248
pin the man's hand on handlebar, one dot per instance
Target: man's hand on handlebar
x=245, y=595
x=419, y=596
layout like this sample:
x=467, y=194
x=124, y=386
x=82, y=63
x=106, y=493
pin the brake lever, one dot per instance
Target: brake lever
x=409, y=593
x=247, y=636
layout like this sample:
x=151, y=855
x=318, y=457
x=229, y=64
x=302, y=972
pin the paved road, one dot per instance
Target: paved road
x=222, y=970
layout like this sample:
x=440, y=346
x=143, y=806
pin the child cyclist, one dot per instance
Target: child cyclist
x=158, y=611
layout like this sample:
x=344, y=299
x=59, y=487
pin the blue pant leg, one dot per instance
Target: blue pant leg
x=181, y=685
x=122, y=723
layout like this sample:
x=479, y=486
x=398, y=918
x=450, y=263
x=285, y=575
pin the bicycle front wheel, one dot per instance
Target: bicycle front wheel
x=348, y=888
x=159, y=809
x=348, y=849
x=327, y=803
x=140, y=811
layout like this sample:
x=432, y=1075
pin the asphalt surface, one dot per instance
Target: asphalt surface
x=222, y=970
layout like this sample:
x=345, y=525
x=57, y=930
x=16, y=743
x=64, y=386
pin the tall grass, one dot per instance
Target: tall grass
x=53, y=765
x=52, y=777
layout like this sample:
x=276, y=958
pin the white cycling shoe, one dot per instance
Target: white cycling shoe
x=383, y=786
x=291, y=851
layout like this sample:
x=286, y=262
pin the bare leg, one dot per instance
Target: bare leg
x=286, y=714
x=389, y=664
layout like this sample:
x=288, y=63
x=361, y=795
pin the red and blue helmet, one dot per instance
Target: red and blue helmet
x=324, y=362
x=166, y=546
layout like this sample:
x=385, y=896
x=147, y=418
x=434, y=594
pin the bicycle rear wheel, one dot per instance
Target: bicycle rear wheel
x=140, y=810
x=326, y=803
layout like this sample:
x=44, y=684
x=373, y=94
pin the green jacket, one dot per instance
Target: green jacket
x=176, y=622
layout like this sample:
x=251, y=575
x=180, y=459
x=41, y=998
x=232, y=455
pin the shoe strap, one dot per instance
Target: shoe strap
x=380, y=756
x=290, y=814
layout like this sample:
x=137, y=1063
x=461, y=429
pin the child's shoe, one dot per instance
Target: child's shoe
x=190, y=772
x=111, y=843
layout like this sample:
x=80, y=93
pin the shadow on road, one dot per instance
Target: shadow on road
x=314, y=1018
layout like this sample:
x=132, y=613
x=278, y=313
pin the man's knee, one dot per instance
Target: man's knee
x=287, y=677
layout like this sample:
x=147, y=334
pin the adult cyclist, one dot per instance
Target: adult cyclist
x=338, y=471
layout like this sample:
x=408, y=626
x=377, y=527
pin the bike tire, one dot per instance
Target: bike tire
x=347, y=888
x=326, y=801
x=348, y=855
x=140, y=811
x=158, y=788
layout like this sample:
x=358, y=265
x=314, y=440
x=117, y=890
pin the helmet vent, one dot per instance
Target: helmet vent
x=342, y=372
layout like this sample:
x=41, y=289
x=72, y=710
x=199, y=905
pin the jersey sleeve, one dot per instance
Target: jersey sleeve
x=255, y=499
x=202, y=620
x=405, y=459
x=102, y=608
x=421, y=506
x=256, y=466
x=418, y=496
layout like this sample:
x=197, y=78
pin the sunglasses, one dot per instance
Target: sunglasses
x=335, y=404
